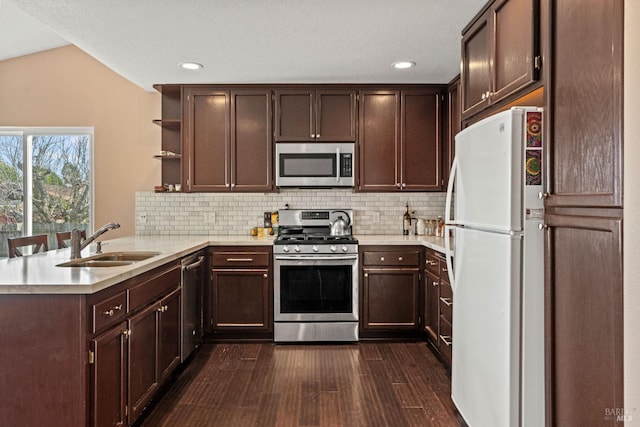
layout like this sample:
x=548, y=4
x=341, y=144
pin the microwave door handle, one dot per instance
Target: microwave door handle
x=337, y=164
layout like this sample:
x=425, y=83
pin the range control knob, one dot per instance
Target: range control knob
x=315, y=248
x=344, y=248
x=297, y=248
x=333, y=248
x=285, y=248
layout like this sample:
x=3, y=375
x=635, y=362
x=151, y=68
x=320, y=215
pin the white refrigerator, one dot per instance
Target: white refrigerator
x=497, y=273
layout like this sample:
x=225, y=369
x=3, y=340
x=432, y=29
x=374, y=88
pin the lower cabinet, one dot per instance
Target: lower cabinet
x=390, y=288
x=131, y=359
x=241, y=291
x=438, y=304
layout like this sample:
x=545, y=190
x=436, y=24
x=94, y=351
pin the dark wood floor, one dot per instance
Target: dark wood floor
x=263, y=384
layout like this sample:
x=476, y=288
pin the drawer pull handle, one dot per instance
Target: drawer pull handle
x=446, y=339
x=112, y=310
x=433, y=263
x=399, y=258
x=447, y=301
x=163, y=308
x=444, y=269
x=435, y=283
x=381, y=258
x=239, y=259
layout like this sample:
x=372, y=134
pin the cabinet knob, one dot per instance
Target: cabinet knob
x=404, y=185
x=429, y=262
x=400, y=258
x=484, y=96
x=435, y=283
x=366, y=274
x=397, y=184
x=543, y=226
x=233, y=185
x=265, y=275
x=444, y=269
x=381, y=258
x=108, y=312
x=542, y=195
x=317, y=135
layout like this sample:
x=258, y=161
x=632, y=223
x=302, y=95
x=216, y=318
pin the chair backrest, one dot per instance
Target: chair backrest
x=66, y=235
x=39, y=241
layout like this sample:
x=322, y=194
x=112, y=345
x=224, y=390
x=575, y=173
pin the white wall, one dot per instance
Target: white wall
x=632, y=211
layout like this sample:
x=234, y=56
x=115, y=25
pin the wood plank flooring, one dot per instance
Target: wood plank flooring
x=263, y=384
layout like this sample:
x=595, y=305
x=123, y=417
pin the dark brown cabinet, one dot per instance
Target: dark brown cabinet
x=315, y=115
x=453, y=126
x=500, y=53
x=400, y=140
x=390, y=289
x=241, y=291
x=438, y=304
x=171, y=123
x=228, y=139
x=108, y=377
x=583, y=213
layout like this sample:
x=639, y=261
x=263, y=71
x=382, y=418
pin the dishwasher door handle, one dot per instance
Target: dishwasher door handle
x=195, y=264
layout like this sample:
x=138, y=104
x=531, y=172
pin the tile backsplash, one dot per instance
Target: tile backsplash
x=237, y=213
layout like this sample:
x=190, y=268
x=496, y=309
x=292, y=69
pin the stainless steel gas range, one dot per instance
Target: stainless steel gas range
x=315, y=278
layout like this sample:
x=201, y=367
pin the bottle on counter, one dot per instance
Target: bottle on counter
x=440, y=227
x=406, y=221
x=420, y=227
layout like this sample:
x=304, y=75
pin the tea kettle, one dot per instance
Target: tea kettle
x=340, y=227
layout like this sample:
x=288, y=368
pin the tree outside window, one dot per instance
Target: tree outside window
x=45, y=183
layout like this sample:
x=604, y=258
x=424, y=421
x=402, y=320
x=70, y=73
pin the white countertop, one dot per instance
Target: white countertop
x=39, y=274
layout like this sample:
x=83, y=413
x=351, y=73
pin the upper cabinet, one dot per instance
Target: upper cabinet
x=228, y=139
x=400, y=140
x=171, y=123
x=500, y=53
x=315, y=115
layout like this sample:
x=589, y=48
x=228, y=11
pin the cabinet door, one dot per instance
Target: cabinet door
x=584, y=312
x=514, y=46
x=586, y=104
x=379, y=140
x=390, y=298
x=143, y=353
x=169, y=334
x=108, y=373
x=207, y=140
x=241, y=300
x=475, y=74
x=251, y=155
x=454, y=125
x=335, y=115
x=294, y=115
x=431, y=284
x=421, y=158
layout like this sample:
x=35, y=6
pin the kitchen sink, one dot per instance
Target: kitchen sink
x=110, y=259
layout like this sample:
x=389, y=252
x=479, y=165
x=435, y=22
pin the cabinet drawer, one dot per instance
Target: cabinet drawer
x=446, y=301
x=445, y=340
x=391, y=258
x=150, y=290
x=241, y=259
x=108, y=311
x=444, y=272
x=432, y=262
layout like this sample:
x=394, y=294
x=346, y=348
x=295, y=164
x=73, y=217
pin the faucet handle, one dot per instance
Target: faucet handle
x=99, y=246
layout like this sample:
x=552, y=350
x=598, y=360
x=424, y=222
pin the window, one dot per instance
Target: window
x=45, y=182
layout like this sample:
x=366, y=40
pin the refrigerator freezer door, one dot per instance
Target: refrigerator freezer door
x=485, y=374
x=488, y=180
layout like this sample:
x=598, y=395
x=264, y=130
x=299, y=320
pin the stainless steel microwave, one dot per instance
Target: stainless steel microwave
x=314, y=164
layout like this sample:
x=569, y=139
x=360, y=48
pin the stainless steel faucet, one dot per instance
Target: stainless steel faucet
x=77, y=244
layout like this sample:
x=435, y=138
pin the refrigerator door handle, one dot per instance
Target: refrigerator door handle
x=452, y=178
x=449, y=258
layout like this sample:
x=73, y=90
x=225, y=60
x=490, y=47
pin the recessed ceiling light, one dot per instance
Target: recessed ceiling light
x=191, y=65
x=401, y=65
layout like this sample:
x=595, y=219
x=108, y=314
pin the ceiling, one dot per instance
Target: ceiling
x=249, y=41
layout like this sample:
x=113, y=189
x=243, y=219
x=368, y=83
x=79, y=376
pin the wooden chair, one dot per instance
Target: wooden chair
x=39, y=242
x=66, y=235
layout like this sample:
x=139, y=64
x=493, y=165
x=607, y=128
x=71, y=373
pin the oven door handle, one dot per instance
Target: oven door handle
x=315, y=258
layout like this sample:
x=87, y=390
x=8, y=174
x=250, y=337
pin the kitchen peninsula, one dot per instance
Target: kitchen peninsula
x=67, y=330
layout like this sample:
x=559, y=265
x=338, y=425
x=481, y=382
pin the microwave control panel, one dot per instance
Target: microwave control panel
x=346, y=164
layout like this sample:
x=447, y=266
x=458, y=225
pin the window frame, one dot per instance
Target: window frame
x=27, y=133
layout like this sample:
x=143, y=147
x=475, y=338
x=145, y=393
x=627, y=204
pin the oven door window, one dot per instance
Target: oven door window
x=316, y=289
x=308, y=164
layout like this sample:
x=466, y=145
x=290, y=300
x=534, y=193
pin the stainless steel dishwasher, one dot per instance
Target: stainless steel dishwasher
x=192, y=283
